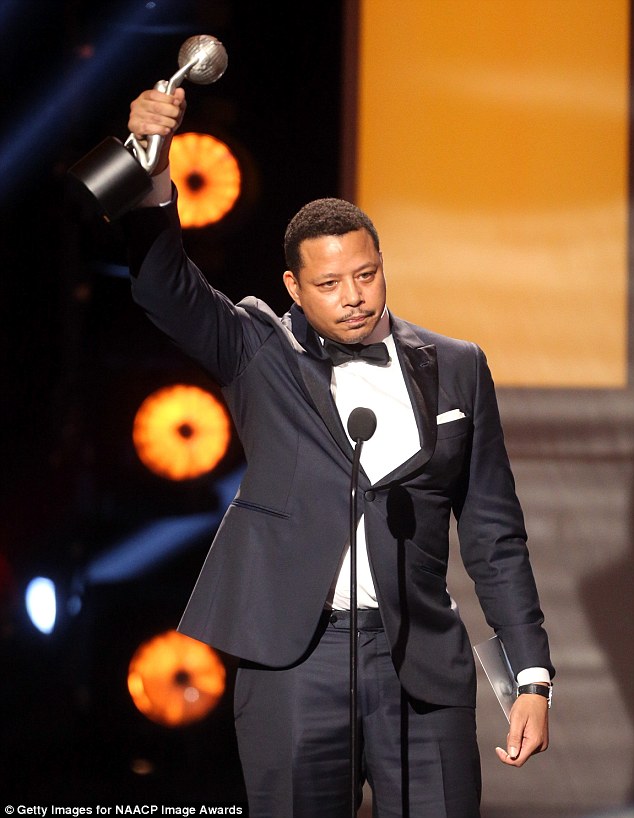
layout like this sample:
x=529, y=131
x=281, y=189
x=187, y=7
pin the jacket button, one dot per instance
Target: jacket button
x=369, y=495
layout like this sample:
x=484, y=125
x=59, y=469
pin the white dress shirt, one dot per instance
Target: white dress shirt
x=381, y=389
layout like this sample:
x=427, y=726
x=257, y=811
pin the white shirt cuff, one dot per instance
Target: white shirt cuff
x=532, y=675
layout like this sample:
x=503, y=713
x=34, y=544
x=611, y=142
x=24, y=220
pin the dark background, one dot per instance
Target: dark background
x=78, y=358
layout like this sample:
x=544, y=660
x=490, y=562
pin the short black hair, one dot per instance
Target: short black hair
x=323, y=217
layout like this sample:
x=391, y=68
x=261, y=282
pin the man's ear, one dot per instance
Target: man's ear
x=292, y=285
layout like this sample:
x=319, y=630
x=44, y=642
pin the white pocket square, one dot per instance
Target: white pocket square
x=452, y=414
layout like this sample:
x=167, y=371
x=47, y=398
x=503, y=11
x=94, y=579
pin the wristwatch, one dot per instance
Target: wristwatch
x=540, y=690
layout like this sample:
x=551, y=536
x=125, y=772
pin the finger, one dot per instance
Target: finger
x=504, y=756
x=513, y=761
x=514, y=740
x=154, y=119
x=158, y=101
x=154, y=95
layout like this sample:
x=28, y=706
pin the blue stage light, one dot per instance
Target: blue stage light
x=159, y=541
x=42, y=125
x=41, y=604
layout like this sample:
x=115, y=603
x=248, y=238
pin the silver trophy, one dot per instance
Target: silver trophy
x=116, y=174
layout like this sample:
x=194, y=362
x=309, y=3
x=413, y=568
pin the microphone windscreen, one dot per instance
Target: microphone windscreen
x=361, y=423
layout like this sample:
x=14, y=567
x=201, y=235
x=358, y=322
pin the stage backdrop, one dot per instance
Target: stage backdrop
x=492, y=153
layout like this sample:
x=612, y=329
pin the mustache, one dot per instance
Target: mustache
x=355, y=314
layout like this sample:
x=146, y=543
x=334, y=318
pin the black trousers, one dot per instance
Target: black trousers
x=421, y=761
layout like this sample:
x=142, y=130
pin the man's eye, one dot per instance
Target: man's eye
x=327, y=284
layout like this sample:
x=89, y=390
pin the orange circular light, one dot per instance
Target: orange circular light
x=175, y=680
x=207, y=176
x=181, y=432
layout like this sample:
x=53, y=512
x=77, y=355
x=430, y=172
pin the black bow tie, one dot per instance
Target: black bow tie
x=376, y=354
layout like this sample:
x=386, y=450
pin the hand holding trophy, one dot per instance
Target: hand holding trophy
x=117, y=175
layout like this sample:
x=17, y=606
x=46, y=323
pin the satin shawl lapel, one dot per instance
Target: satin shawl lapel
x=309, y=363
x=420, y=370
x=316, y=371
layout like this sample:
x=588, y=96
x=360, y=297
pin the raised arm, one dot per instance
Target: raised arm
x=165, y=282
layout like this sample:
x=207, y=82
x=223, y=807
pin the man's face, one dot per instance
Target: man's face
x=341, y=286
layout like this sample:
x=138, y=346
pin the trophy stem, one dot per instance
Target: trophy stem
x=148, y=156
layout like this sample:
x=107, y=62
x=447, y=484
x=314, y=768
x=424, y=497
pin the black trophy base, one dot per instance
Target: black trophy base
x=112, y=177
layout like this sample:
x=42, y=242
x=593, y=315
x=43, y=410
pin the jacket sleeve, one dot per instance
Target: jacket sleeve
x=174, y=294
x=493, y=538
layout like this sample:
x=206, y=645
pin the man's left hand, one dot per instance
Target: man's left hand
x=528, y=730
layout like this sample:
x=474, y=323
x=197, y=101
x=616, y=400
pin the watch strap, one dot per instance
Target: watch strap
x=541, y=690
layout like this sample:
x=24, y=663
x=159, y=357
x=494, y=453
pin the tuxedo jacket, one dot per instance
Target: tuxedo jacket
x=267, y=577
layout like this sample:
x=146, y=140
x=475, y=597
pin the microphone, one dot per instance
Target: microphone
x=361, y=427
x=116, y=175
x=361, y=424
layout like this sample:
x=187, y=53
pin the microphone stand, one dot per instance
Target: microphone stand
x=361, y=426
x=354, y=762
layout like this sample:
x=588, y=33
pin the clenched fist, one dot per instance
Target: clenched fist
x=154, y=112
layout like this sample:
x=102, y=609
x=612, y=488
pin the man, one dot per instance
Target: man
x=274, y=589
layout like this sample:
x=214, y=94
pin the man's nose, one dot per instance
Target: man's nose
x=351, y=294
